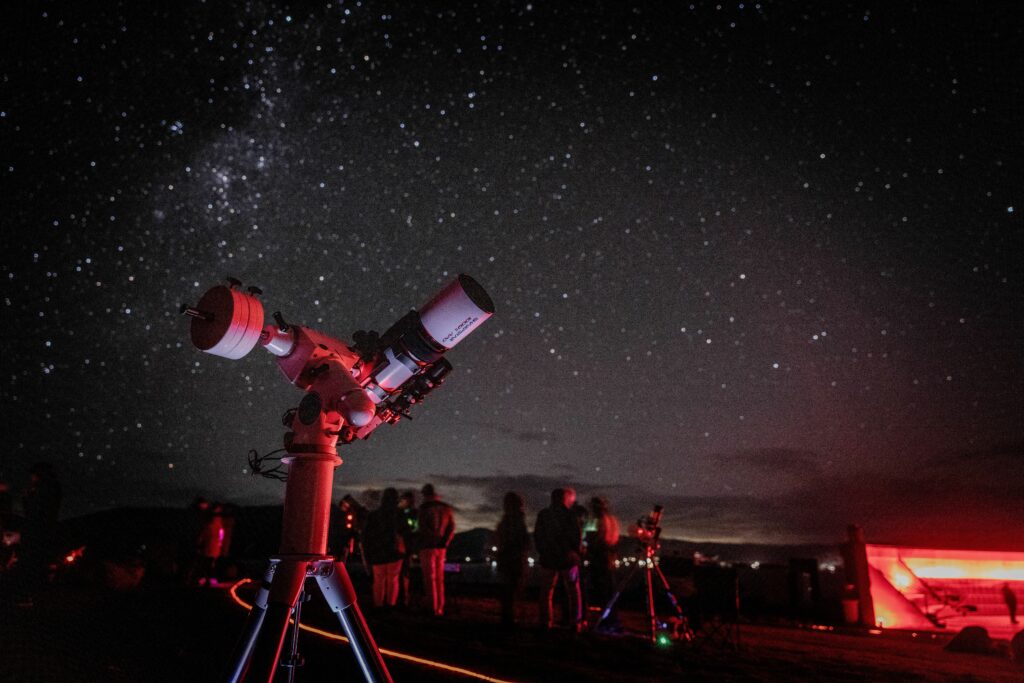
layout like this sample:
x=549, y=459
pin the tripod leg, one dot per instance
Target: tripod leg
x=650, y=603
x=284, y=591
x=243, y=649
x=669, y=593
x=606, y=612
x=337, y=588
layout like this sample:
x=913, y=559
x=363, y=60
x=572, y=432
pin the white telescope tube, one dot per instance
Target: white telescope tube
x=457, y=310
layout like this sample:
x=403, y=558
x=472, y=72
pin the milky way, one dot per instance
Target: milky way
x=759, y=263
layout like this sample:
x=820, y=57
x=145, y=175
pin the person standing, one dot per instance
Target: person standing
x=436, y=529
x=602, y=553
x=382, y=542
x=513, y=543
x=557, y=538
x=1010, y=598
x=408, y=516
x=352, y=519
x=211, y=539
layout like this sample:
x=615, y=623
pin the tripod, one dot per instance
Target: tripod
x=681, y=630
x=282, y=592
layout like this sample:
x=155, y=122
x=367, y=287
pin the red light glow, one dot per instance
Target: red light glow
x=917, y=587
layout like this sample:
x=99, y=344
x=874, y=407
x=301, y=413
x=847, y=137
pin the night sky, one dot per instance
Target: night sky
x=759, y=263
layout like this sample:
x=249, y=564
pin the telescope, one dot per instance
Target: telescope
x=379, y=377
x=648, y=528
x=350, y=390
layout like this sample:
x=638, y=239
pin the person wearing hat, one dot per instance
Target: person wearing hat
x=436, y=529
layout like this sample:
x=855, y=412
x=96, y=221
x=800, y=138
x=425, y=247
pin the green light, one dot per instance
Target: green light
x=664, y=640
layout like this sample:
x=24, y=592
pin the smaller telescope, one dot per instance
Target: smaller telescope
x=648, y=534
x=648, y=529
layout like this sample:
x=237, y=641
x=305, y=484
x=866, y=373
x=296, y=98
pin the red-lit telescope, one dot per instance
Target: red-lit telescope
x=351, y=389
x=392, y=371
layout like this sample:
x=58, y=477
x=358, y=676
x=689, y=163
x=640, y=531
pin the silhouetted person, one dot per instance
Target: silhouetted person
x=384, y=548
x=228, y=517
x=211, y=540
x=198, y=511
x=41, y=504
x=1010, y=598
x=513, y=543
x=350, y=527
x=601, y=555
x=409, y=518
x=557, y=539
x=436, y=529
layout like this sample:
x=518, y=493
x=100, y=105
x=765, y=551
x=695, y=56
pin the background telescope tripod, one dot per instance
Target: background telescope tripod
x=650, y=569
x=649, y=533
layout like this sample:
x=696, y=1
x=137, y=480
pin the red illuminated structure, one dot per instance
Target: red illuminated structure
x=928, y=588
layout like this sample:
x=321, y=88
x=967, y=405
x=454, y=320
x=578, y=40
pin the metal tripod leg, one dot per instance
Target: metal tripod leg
x=668, y=592
x=284, y=591
x=243, y=649
x=651, y=616
x=615, y=597
x=337, y=588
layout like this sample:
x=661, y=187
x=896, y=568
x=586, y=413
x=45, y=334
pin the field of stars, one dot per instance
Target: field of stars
x=757, y=262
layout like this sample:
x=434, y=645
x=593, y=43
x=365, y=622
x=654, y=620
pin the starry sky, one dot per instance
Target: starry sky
x=757, y=262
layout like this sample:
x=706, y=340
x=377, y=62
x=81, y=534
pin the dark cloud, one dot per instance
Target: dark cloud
x=938, y=504
x=535, y=489
x=785, y=461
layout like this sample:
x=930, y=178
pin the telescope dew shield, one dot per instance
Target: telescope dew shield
x=457, y=310
x=229, y=322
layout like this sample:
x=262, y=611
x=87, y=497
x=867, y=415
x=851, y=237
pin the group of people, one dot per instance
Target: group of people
x=397, y=533
x=561, y=538
x=392, y=536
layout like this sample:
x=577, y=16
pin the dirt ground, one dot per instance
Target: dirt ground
x=177, y=634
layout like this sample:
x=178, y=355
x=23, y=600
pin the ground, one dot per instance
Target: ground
x=173, y=634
